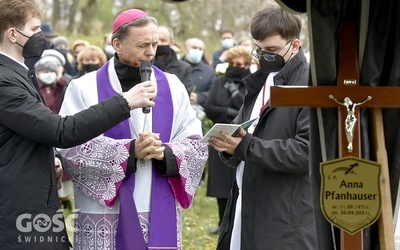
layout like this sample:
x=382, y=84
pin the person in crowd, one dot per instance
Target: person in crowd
x=107, y=46
x=202, y=79
x=271, y=202
x=30, y=216
x=167, y=61
x=133, y=181
x=61, y=44
x=243, y=41
x=202, y=73
x=222, y=106
x=77, y=47
x=47, y=29
x=177, y=48
x=248, y=43
x=227, y=42
x=90, y=59
x=51, y=78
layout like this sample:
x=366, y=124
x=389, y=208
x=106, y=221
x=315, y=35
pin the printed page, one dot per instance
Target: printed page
x=217, y=129
x=231, y=129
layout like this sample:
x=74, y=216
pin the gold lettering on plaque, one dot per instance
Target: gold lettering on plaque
x=350, y=193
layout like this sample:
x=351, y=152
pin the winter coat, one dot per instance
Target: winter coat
x=180, y=68
x=202, y=77
x=277, y=197
x=29, y=204
x=220, y=176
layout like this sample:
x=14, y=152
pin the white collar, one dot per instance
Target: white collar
x=12, y=58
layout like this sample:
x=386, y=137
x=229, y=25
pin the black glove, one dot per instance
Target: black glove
x=232, y=113
x=232, y=87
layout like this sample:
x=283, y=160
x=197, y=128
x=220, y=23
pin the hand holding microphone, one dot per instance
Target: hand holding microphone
x=142, y=94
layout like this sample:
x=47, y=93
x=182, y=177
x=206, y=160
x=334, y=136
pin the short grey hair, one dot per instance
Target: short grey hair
x=47, y=63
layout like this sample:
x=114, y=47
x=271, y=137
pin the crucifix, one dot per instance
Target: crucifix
x=348, y=96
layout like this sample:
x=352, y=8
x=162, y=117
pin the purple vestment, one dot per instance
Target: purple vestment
x=163, y=209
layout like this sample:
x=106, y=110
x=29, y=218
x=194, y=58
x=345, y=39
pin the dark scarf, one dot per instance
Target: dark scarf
x=162, y=60
x=235, y=74
x=128, y=76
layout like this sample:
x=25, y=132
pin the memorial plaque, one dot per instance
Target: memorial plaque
x=350, y=193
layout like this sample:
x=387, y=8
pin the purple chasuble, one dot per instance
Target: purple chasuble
x=163, y=224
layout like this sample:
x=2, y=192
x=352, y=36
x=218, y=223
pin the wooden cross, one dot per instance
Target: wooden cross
x=348, y=86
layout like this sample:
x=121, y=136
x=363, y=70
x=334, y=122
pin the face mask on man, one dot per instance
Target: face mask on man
x=163, y=50
x=195, y=55
x=109, y=50
x=35, y=45
x=272, y=66
x=90, y=67
x=227, y=43
x=275, y=65
x=48, y=78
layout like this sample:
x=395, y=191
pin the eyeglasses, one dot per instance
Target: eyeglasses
x=257, y=53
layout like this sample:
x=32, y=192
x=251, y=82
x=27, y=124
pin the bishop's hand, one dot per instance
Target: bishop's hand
x=149, y=146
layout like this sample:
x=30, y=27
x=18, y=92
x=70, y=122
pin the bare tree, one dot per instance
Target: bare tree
x=56, y=11
x=71, y=17
x=200, y=18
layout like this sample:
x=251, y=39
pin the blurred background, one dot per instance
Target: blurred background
x=92, y=19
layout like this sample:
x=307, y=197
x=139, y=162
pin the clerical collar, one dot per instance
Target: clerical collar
x=128, y=76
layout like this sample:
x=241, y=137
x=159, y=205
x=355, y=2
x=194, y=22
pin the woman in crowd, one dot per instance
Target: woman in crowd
x=222, y=106
x=90, y=59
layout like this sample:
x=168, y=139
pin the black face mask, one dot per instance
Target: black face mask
x=35, y=45
x=163, y=50
x=272, y=66
x=236, y=74
x=90, y=67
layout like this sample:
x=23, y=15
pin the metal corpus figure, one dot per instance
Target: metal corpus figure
x=351, y=119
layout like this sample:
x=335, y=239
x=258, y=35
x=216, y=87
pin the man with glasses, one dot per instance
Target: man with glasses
x=271, y=205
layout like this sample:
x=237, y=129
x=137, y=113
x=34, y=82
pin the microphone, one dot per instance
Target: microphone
x=145, y=72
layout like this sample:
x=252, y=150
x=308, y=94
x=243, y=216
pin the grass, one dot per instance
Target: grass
x=196, y=222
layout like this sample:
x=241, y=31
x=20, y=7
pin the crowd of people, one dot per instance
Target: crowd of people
x=130, y=172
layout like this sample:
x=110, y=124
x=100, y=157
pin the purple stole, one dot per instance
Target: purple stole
x=163, y=229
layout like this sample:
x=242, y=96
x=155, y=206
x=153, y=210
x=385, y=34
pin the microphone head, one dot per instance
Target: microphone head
x=145, y=65
x=145, y=72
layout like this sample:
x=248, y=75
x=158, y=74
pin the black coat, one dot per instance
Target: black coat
x=181, y=69
x=202, y=77
x=278, y=211
x=28, y=132
x=220, y=176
